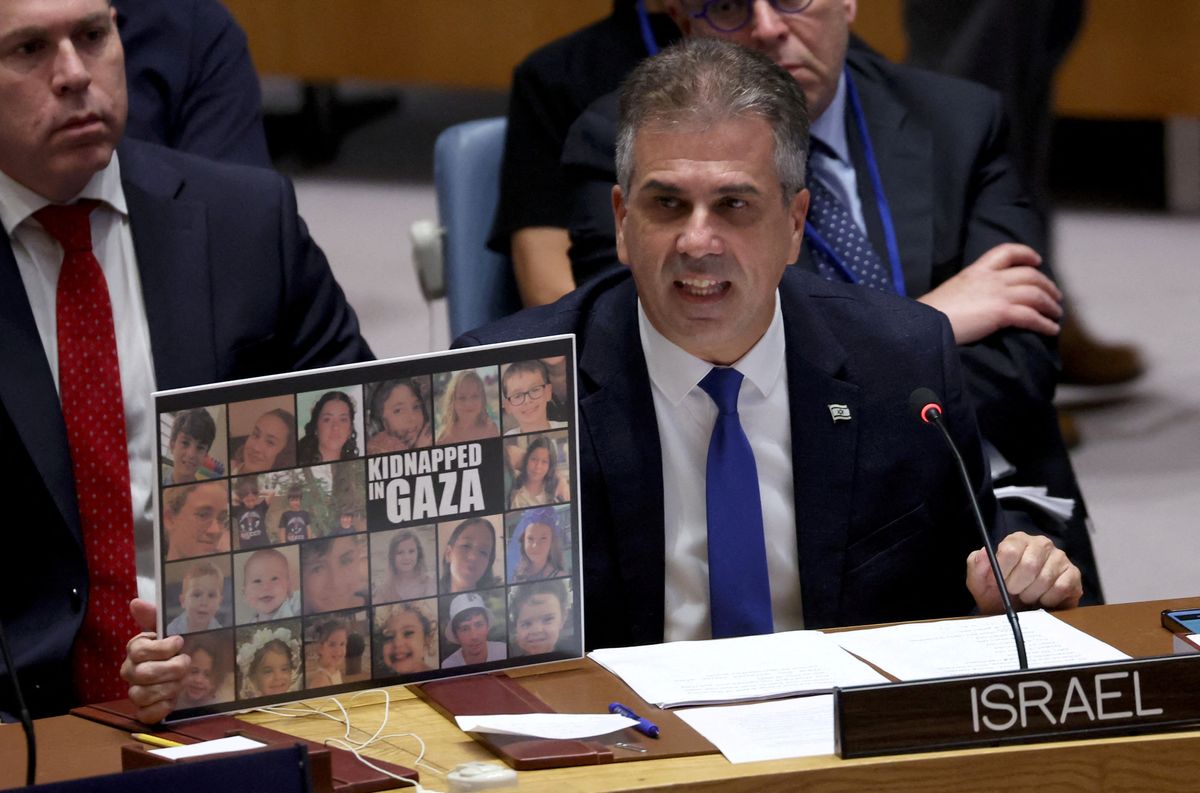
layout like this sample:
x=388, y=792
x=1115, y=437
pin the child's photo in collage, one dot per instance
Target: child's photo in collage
x=209, y=677
x=406, y=640
x=193, y=445
x=468, y=405
x=539, y=543
x=538, y=470
x=540, y=618
x=402, y=564
x=269, y=660
x=534, y=398
x=335, y=649
x=468, y=551
x=197, y=594
x=277, y=583
x=400, y=416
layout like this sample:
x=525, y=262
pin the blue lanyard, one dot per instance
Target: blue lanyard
x=881, y=202
x=647, y=33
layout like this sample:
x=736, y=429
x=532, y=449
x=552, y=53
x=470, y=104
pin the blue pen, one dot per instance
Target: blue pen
x=644, y=726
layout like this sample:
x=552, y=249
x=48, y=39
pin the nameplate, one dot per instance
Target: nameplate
x=1054, y=704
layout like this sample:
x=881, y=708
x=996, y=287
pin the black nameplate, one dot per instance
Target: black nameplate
x=1060, y=703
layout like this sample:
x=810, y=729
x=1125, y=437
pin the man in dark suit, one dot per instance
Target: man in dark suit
x=962, y=229
x=188, y=272
x=748, y=461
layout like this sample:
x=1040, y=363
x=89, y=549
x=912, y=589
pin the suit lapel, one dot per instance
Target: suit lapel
x=624, y=433
x=823, y=452
x=904, y=153
x=170, y=240
x=28, y=394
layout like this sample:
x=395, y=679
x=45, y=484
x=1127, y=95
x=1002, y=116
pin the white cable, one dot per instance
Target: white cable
x=355, y=747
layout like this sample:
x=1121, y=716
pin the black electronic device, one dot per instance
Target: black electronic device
x=1181, y=620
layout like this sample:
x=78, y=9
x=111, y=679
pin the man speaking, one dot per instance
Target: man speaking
x=748, y=460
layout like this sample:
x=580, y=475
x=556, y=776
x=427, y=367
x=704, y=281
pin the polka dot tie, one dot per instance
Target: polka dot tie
x=89, y=380
x=832, y=220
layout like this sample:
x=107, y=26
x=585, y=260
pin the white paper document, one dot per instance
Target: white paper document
x=797, y=727
x=234, y=743
x=950, y=648
x=678, y=674
x=560, y=726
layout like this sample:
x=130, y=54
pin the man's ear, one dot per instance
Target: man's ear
x=797, y=212
x=620, y=212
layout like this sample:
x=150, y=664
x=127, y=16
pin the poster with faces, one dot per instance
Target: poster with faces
x=370, y=525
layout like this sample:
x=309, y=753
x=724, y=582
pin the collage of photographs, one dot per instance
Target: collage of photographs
x=282, y=579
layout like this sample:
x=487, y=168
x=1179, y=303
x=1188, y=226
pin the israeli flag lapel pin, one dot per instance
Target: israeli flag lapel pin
x=839, y=413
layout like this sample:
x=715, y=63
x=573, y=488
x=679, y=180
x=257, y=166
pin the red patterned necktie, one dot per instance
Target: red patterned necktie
x=89, y=384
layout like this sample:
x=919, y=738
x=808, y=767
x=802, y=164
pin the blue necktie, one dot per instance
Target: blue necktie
x=831, y=219
x=739, y=590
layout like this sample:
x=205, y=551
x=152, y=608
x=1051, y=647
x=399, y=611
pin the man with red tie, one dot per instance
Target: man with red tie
x=125, y=268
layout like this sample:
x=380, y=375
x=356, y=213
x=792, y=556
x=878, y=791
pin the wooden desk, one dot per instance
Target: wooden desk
x=71, y=747
x=1163, y=763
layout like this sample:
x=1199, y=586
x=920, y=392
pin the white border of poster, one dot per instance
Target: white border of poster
x=370, y=525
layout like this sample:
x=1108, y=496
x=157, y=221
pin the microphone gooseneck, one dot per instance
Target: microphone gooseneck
x=927, y=407
x=22, y=711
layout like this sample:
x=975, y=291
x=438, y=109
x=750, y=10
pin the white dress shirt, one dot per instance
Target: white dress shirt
x=39, y=260
x=685, y=416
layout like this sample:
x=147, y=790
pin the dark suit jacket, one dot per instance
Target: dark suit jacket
x=940, y=144
x=883, y=524
x=234, y=287
x=192, y=86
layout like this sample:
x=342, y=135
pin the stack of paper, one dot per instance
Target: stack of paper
x=678, y=674
x=921, y=650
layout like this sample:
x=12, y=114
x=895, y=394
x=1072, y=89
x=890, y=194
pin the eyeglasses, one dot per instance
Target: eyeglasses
x=518, y=399
x=729, y=16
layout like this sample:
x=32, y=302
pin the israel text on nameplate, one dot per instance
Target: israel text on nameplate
x=1052, y=704
x=367, y=525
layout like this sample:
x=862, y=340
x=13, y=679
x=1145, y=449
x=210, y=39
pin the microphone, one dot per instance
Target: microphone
x=926, y=405
x=22, y=711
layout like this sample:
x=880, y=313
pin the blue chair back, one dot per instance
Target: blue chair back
x=480, y=285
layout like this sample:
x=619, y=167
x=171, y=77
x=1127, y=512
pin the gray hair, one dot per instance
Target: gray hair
x=705, y=80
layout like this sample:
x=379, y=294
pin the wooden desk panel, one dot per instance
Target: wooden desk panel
x=68, y=748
